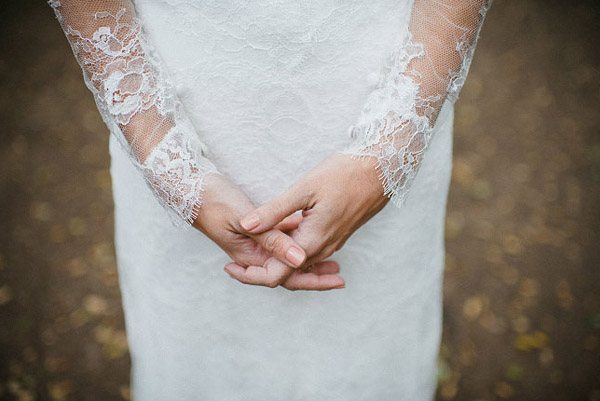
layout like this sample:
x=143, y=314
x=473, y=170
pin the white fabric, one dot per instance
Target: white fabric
x=196, y=334
x=271, y=87
x=428, y=67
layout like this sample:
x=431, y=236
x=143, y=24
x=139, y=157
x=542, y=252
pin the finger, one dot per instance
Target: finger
x=282, y=246
x=312, y=235
x=326, y=267
x=313, y=282
x=270, y=213
x=319, y=256
x=272, y=274
x=290, y=223
x=247, y=252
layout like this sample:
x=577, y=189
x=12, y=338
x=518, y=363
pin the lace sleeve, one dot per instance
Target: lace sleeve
x=428, y=68
x=137, y=101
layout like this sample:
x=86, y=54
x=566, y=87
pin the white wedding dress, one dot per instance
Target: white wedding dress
x=262, y=91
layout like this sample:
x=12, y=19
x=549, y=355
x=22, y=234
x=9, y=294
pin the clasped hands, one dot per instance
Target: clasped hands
x=276, y=243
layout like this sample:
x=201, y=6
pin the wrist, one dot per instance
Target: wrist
x=369, y=174
x=222, y=204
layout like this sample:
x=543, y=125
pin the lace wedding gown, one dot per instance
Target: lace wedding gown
x=262, y=91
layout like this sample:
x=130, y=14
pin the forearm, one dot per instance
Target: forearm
x=428, y=68
x=137, y=101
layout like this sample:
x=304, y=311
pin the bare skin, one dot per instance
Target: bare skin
x=266, y=254
x=336, y=198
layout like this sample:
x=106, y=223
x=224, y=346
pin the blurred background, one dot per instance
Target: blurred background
x=522, y=283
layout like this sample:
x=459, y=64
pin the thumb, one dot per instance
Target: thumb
x=274, y=211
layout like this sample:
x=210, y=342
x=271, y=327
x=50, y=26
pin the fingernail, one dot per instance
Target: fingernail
x=294, y=255
x=341, y=286
x=250, y=222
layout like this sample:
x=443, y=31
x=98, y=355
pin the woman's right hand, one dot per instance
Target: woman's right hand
x=224, y=204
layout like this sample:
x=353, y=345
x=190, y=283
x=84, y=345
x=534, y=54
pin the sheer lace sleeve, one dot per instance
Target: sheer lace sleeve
x=137, y=101
x=428, y=68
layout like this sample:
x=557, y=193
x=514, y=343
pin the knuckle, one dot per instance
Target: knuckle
x=311, y=245
x=339, y=245
x=278, y=207
x=319, y=258
x=328, y=251
x=323, y=249
x=274, y=208
x=322, y=254
x=272, y=241
x=304, y=196
x=272, y=283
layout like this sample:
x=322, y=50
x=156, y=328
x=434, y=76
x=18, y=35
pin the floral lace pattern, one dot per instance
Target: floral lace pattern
x=429, y=67
x=177, y=180
x=137, y=101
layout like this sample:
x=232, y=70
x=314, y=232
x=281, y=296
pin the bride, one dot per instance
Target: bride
x=269, y=138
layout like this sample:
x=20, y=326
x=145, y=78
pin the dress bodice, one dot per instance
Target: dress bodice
x=268, y=78
x=266, y=75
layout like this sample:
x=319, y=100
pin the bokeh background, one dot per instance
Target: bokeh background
x=522, y=283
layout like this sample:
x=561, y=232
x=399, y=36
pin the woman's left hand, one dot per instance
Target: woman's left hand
x=336, y=197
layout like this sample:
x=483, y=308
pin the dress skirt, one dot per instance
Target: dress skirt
x=271, y=87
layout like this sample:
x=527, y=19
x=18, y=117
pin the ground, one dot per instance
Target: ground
x=522, y=284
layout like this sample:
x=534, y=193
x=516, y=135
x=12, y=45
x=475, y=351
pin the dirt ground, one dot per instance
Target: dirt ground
x=522, y=283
